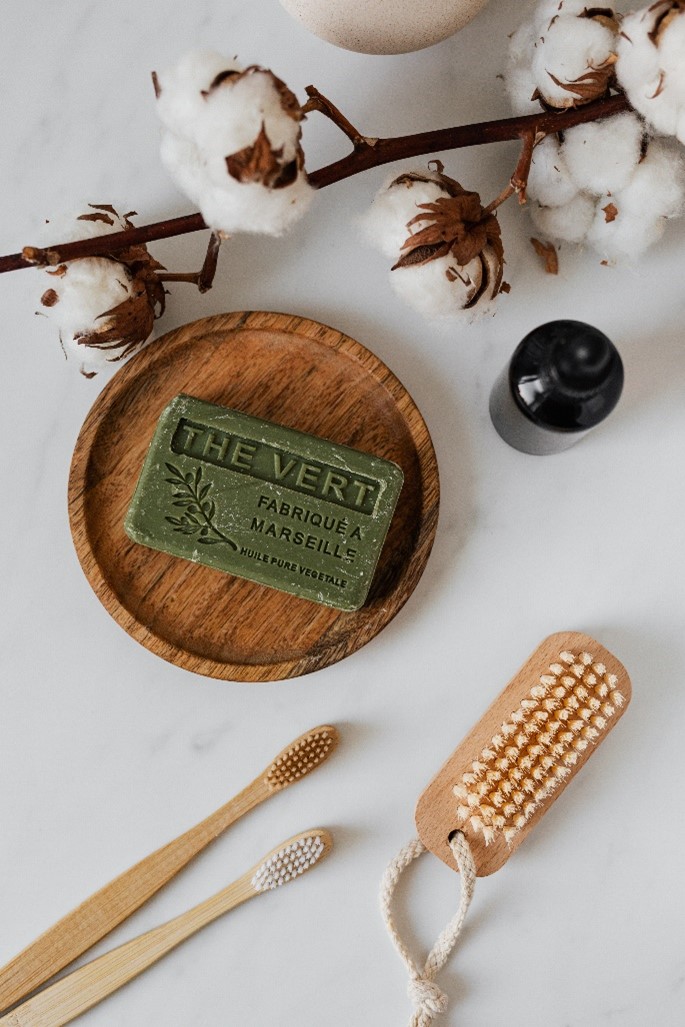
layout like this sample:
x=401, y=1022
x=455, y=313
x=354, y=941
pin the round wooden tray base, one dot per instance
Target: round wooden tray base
x=285, y=369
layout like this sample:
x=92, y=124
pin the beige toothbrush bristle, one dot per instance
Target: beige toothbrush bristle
x=536, y=747
x=301, y=757
x=292, y=860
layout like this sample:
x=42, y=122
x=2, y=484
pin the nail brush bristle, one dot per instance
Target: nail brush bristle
x=535, y=749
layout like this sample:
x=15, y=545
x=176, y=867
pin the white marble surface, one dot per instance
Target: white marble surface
x=107, y=752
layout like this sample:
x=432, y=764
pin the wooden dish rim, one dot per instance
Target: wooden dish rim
x=427, y=513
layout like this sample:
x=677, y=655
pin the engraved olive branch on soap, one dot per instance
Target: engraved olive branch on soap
x=192, y=496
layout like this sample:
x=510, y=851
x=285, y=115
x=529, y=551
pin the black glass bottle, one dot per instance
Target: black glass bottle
x=563, y=379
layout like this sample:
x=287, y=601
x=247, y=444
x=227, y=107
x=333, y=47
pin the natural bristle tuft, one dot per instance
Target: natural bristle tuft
x=531, y=755
x=291, y=860
x=302, y=756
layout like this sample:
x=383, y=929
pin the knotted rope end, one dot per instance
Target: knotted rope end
x=427, y=998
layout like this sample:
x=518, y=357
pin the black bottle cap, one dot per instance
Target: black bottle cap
x=566, y=376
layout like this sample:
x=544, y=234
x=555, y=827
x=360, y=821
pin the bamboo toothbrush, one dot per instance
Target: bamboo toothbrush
x=103, y=911
x=63, y=1001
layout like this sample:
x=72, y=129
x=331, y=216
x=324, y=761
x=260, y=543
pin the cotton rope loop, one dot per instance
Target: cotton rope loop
x=428, y=999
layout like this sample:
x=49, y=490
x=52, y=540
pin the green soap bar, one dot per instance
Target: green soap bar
x=264, y=502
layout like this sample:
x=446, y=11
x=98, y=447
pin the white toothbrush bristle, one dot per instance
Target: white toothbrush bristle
x=290, y=861
x=533, y=752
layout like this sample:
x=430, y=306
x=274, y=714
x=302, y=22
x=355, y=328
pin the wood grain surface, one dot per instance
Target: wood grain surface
x=286, y=369
x=436, y=809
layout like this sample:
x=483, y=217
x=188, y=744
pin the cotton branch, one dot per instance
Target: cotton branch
x=318, y=102
x=367, y=153
x=204, y=278
x=519, y=180
x=101, y=246
x=376, y=152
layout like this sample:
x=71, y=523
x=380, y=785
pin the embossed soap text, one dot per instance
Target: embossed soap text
x=265, y=462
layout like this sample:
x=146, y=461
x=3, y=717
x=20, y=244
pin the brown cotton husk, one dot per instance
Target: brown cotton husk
x=490, y=277
x=455, y=225
x=593, y=85
x=659, y=86
x=597, y=82
x=289, y=102
x=604, y=15
x=547, y=251
x=409, y=177
x=144, y=269
x=664, y=13
x=124, y=327
x=98, y=215
x=229, y=75
x=140, y=264
x=259, y=163
x=610, y=212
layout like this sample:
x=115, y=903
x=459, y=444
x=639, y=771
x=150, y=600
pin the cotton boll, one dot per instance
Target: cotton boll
x=180, y=102
x=637, y=66
x=570, y=49
x=181, y=158
x=651, y=66
x=627, y=222
x=88, y=288
x=396, y=203
x=601, y=184
x=544, y=12
x=658, y=184
x=79, y=293
x=230, y=206
x=432, y=289
x=91, y=362
x=621, y=224
x=452, y=258
x=627, y=236
x=657, y=187
x=569, y=223
x=518, y=78
x=571, y=46
x=565, y=53
x=601, y=156
x=672, y=51
x=249, y=207
x=549, y=181
x=236, y=150
x=72, y=226
x=235, y=112
x=520, y=87
x=104, y=307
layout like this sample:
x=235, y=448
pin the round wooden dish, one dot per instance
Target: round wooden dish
x=289, y=370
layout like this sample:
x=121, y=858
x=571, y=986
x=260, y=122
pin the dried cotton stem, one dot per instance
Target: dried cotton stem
x=367, y=153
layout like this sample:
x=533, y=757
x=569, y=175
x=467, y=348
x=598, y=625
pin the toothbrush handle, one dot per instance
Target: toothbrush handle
x=63, y=1001
x=105, y=909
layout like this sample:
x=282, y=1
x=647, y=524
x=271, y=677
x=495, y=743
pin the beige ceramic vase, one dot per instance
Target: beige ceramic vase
x=383, y=26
